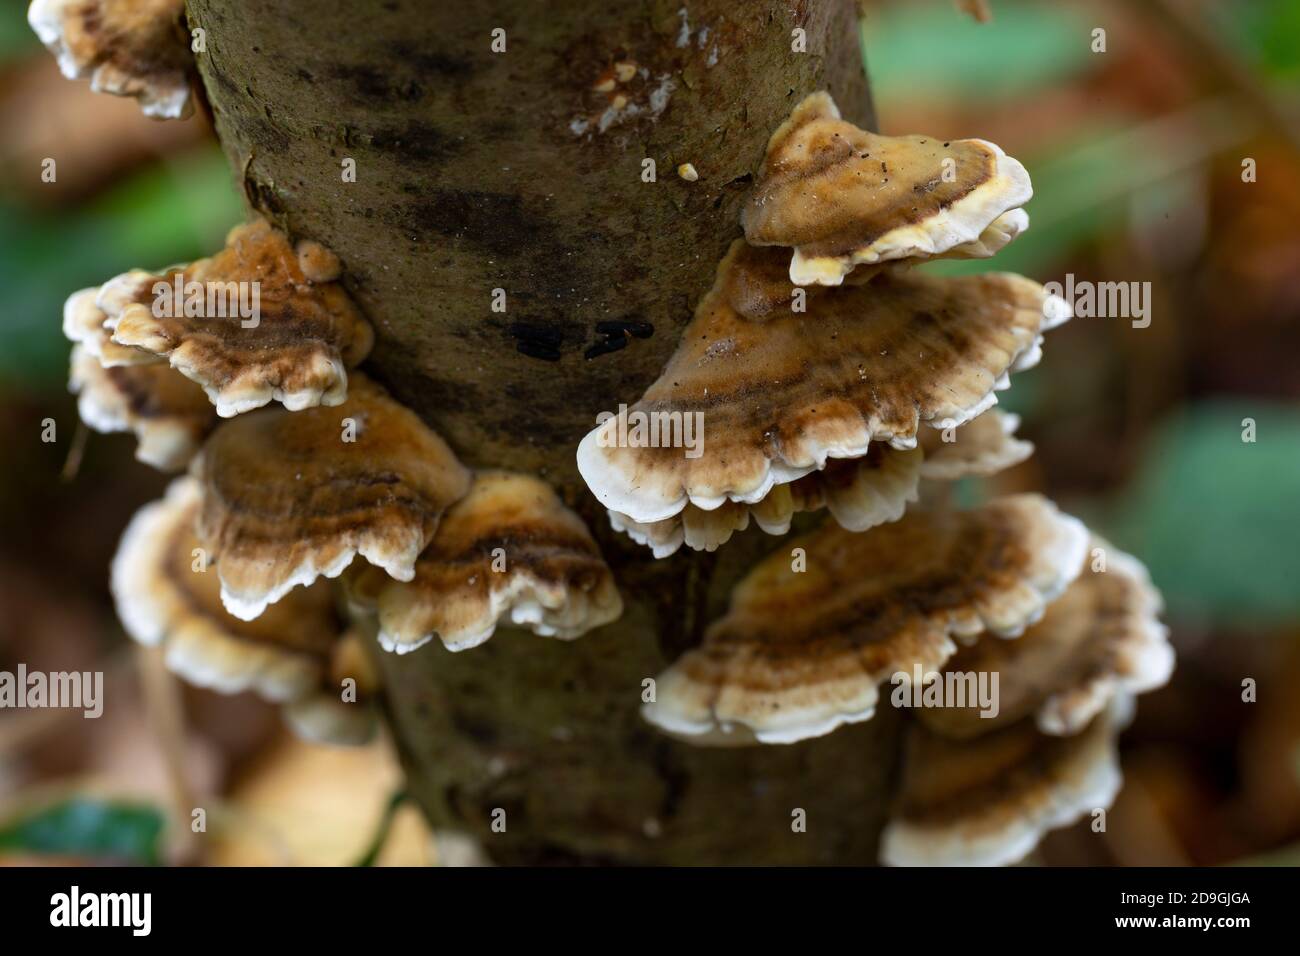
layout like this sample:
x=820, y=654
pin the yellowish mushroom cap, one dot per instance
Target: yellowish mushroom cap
x=1101, y=639
x=860, y=493
x=771, y=401
x=136, y=48
x=509, y=550
x=814, y=629
x=985, y=445
x=988, y=801
x=292, y=496
x=293, y=343
x=85, y=324
x=168, y=595
x=843, y=197
x=169, y=415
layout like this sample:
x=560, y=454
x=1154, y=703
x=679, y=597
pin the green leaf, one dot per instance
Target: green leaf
x=125, y=833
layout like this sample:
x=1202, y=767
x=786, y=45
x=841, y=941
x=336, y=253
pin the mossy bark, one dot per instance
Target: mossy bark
x=520, y=170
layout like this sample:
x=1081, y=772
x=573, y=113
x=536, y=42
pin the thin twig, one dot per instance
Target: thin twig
x=72, y=464
x=162, y=701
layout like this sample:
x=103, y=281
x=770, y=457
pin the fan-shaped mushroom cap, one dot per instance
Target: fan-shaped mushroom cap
x=771, y=401
x=509, y=547
x=162, y=600
x=292, y=344
x=1100, y=639
x=841, y=196
x=288, y=498
x=988, y=801
x=860, y=494
x=983, y=446
x=801, y=652
x=169, y=414
x=84, y=324
x=133, y=48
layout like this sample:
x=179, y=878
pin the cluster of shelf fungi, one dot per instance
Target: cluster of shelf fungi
x=831, y=373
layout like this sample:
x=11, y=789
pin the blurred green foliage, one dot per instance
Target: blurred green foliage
x=1266, y=33
x=166, y=213
x=121, y=832
x=1216, y=518
x=16, y=37
x=1028, y=45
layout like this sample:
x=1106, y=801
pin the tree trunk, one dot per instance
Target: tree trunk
x=522, y=171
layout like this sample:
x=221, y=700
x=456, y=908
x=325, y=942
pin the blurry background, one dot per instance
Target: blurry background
x=1137, y=159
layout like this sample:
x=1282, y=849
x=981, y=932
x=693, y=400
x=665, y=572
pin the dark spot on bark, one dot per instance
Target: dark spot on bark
x=430, y=63
x=474, y=726
x=541, y=334
x=537, y=341
x=416, y=140
x=418, y=390
x=497, y=222
x=611, y=343
x=371, y=83
x=634, y=327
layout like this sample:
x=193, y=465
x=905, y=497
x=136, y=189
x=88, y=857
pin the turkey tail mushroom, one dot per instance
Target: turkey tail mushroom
x=292, y=496
x=508, y=548
x=860, y=493
x=260, y=321
x=843, y=197
x=772, y=401
x=168, y=414
x=802, y=650
x=167, y=595
x=1101, y=639
x=136, y=48
x=987, y=802
x=296, y=654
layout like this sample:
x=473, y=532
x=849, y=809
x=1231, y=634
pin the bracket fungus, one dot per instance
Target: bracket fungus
x=842, y=197
x=84, y=324
x=509, y=547
x=136, y=48
x=169, y=415
x=292, y=496
x=773, y=401
x=1100, y=639
x=167, y=595
x=257, y=322
x=802, y=651
x=859, y=493
x=987, y=802
x=985, y=445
